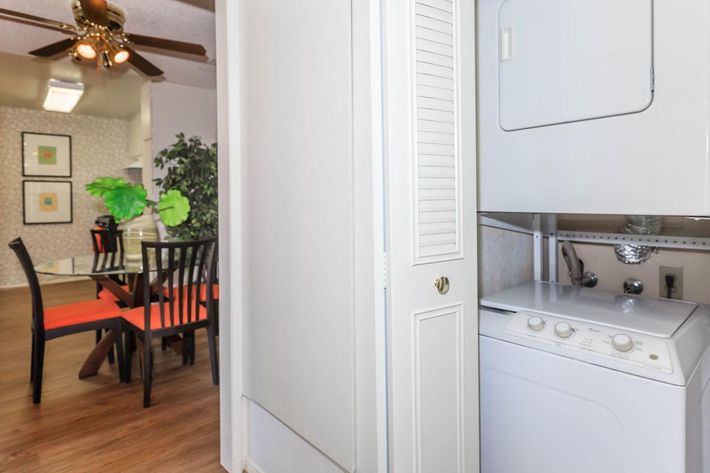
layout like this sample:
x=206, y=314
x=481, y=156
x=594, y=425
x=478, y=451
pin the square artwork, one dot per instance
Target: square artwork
x=46, y=155
x=47, y=202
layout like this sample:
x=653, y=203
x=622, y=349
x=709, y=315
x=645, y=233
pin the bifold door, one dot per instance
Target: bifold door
x=430, y=128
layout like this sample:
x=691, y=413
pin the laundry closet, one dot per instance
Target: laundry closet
x=594, y=193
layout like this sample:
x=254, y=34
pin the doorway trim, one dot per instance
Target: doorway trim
x=228, y=18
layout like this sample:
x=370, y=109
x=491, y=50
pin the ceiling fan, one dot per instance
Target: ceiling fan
x=99, y=36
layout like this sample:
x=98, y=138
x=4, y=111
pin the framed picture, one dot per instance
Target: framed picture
x=46, y=155
x=46, y=202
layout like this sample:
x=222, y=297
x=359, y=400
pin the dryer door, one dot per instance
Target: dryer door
x=563, y=61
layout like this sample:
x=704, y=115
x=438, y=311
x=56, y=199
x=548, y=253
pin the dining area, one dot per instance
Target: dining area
x=109, y=330
x=115, y=330
x=164, y=297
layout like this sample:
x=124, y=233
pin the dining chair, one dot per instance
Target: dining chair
x=108, y=252
x=54, y=322
x=189, y=352
x=188, y=267
x=108, y=248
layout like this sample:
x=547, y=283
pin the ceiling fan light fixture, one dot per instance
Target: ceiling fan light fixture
x=85, y=49
x=62, y=96
x=121, y=56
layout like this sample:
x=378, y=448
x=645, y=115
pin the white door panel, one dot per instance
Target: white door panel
x=568, y=60
x=431, y=211
x=300, y=219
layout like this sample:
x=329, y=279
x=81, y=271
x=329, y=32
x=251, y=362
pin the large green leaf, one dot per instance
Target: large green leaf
x=173, y=208
x=101, y=185
x=125, y=203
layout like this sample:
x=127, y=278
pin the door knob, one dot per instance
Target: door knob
x=442, y=284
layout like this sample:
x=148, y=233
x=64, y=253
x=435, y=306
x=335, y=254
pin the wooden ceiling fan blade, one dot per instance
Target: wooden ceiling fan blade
x=168, y=44
x=37, y=21
x=143, y=65
x=54, y=48
x=96, y=11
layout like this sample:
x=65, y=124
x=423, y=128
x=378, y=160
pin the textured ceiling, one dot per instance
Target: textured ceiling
x=23, y=83
x=185, y=20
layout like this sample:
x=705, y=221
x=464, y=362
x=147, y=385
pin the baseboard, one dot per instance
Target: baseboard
x=50, y=282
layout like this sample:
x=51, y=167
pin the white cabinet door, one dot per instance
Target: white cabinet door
x=430, y=136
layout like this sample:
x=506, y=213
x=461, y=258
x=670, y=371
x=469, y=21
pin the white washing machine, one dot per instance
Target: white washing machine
x=577, y=380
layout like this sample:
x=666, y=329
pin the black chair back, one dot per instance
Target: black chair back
x=107, y=241
x=188, y=267
x=37, y=308
x=108, y=250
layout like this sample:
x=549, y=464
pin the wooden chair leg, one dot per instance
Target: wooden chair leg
x=111, y=357
x=120, y=356
x=163, y=343
x=147, y=375
x=213, y=353
x=128, y=355
x=32, y=359
x=215, y=318
x=38, y=370
x=192, y=348
x=185, y=348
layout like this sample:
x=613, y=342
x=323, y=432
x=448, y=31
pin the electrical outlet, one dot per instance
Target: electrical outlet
x=677, y=289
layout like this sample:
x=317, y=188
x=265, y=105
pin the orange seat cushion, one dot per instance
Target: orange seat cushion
x=203, y=292
x=107, y=295
x=137, y=316
x=79, y=313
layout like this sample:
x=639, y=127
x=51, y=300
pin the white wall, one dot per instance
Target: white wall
x=601, y=260
x=179, y=108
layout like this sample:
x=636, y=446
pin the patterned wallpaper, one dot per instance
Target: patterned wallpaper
x=99, y=147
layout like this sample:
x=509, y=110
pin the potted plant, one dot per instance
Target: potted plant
x=127, y=203
x=191, y=168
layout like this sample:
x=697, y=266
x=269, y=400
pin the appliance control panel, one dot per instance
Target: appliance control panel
x=638, y=349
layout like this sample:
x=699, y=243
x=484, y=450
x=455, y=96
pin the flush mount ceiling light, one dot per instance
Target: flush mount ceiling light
x=62, y=96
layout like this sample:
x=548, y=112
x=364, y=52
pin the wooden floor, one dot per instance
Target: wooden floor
x=98, y=424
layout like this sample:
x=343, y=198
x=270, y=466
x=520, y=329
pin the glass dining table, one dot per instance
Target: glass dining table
x=104, y=268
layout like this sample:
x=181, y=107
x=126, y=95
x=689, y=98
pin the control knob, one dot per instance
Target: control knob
x=536, y=323
x=622, y=342
x=563, y=330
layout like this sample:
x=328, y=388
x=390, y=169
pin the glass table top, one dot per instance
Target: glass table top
x=102, y=264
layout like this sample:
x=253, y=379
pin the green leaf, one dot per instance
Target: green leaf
x=125, y=203
x=101, y=185
x=173, y=208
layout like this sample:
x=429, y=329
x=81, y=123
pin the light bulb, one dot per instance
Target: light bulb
x=86, y=50
x=121, y=56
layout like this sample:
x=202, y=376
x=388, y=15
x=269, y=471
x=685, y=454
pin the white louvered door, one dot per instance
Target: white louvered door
x=430, y=135
x=437, y=223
